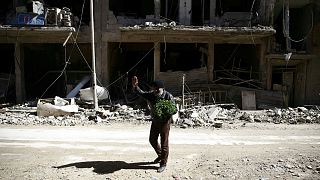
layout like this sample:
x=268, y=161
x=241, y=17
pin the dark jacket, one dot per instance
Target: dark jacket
x=152, y=98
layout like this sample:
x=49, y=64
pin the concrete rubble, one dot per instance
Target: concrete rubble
x=217, y=116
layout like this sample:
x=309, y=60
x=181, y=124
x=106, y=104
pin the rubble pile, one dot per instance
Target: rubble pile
x=24, y=115
x=210, y=115
x=289, y=115
x=196, y=116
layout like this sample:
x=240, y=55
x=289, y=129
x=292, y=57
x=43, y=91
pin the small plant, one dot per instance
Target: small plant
x=164, y=109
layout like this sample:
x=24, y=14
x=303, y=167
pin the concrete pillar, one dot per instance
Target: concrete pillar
x=263, y=65
x=212, y=11
x=105, y=73
x=287, y=24
x=19, y=73
x=101, y=16
x=156, y=62
x=269, y=74
x=185, y=12
x=210, y=61
x=157, y=8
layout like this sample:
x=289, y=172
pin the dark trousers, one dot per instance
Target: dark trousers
x=162, y=129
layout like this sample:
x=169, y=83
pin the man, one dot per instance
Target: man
x=158, y=127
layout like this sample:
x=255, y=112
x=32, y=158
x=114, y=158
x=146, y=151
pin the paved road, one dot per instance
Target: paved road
x=133, y=136
x=194, y=152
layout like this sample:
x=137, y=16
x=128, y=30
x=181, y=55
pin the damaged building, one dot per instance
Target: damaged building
x=254, y=53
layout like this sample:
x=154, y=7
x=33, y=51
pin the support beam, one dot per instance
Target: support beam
x=105, y=71
x=19, y=73
x=210, y=65
x=156, y=60
x=287, y=24
x=263, y=66
x=269, y=74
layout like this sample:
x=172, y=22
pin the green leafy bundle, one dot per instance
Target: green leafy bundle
x=164, y=109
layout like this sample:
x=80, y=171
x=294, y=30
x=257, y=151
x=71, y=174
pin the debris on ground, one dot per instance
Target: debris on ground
x=215, y=116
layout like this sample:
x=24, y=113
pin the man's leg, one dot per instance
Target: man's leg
x=153, y=137
x=164, y=134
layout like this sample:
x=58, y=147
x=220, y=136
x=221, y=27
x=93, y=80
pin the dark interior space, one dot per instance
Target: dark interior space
x=128, y=60
x=301, y=24
x=182, y=57
x=78, y=65
x=236, y=64
x=7, y=73
x=133, y=9
x=45, y=62
x=171, y=10
x=223, y=6
x=200, y=12
x=5, y=7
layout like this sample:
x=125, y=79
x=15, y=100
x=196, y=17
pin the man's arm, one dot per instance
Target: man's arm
x=147, y=95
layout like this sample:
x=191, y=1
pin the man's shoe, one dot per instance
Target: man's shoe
x=157, y=160
x=161, y=168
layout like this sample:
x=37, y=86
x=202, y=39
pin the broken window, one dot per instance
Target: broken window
x=133, y=9
x=182, y=57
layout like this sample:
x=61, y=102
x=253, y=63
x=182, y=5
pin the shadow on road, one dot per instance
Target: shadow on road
x=106, y=167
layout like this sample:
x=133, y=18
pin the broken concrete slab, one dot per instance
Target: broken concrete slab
x=87, y=93
x=56, y=107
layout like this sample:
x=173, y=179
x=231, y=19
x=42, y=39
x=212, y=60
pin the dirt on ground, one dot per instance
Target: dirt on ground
x=237, y=151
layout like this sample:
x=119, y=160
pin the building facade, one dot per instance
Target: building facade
x=215, y=50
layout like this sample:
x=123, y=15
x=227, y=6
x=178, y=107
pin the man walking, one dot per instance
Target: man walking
x=158, y=126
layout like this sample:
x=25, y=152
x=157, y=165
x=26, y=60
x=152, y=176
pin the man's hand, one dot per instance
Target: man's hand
x=134, y=81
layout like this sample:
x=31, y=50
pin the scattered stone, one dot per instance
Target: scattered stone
x=197, y=116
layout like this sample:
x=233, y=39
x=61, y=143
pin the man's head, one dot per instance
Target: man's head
x=158, y=87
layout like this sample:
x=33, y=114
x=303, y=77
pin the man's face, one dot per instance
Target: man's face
x=157, y=91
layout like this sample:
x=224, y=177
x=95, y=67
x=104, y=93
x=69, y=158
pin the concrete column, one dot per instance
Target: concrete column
x=210, y=65
x=157, y=8
x=105, y=73
x=212, y=11
x=19, y=73
x=287, y=24
x=156, y=62
x=100, y=16
x=185, y=12
x=269, y=74
x=263, y=65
